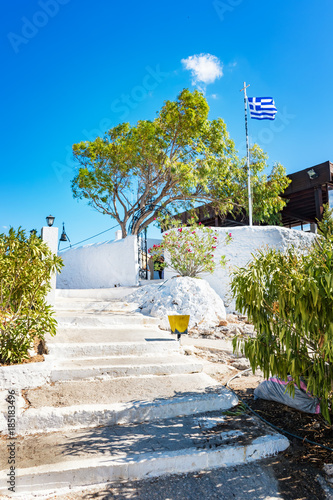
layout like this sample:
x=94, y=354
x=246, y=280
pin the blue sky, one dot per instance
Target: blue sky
x=74, y=68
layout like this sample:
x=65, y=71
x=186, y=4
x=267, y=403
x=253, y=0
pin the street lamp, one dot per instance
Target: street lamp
x=50, y=220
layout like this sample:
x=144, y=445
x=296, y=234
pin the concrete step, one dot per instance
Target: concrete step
x=68, y=350
x=129, y=366
x=88, y=403
x=114, y=293
x=94, y=305
x=174, y=445
x=112, y=333
x=113, y=341
x=118, y=390
x=93, y=319
x=81, y=361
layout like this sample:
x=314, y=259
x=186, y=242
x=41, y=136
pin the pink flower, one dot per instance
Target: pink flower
x=230, y=235
x=215, y=238
x=189, y=250
x=212, y=255
x=199, y=223
x=213, y=247
x=193, y=232
x=180, y=229
x=154, y=218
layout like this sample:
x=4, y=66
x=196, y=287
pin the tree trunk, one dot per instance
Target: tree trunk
x=123, y=229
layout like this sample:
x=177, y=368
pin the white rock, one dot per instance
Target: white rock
x=184, y=295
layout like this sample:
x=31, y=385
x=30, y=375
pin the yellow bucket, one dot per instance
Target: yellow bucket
x=179, y=323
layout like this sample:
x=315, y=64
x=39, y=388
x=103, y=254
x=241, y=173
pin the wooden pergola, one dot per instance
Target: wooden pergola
x=306, y=194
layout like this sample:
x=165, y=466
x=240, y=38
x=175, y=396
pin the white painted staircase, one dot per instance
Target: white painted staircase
x=116, y=399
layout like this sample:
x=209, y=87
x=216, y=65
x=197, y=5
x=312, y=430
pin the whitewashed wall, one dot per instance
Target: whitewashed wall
x=246, y=240
x=101, y=265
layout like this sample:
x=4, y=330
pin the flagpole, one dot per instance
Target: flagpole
x=247, y=156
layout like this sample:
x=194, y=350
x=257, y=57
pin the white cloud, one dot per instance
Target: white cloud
x=4, y=227
x=204, y=68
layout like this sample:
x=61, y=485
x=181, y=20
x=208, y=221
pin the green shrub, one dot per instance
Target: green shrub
x=289, y=299
x=26, y=265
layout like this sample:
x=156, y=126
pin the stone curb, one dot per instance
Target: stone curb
x=49, y=419
x=87, y=472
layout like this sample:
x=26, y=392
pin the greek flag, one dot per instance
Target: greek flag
x=262, y=108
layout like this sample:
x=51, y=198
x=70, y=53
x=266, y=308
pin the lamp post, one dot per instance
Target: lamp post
x=63, y=236
x=49, y=235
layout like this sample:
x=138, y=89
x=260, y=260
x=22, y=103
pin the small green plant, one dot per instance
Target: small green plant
x=188, y=250
x=240, y=409
x=288, y=296
x=26, y=265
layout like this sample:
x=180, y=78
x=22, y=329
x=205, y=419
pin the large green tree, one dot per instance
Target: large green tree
x=177, y=160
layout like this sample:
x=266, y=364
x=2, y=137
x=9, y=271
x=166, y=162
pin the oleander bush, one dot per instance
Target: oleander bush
x=26, y=266
x=189, y=251
x=288, y=296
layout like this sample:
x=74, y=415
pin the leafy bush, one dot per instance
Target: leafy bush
x=289, y=299
x=26, y=265
x=188, y=250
